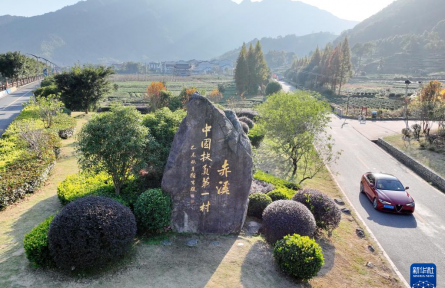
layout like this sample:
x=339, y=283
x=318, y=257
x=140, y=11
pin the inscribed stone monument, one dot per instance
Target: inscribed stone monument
x=209, y=171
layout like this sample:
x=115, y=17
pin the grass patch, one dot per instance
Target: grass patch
x=431, y=159
x=242, y=260
x=346, y=255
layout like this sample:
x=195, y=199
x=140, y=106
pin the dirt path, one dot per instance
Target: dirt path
x=19, y=218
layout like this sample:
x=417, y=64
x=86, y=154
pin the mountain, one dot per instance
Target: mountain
x=152, y=30
x=299, y=45
x=408, y=37
x=399, y=18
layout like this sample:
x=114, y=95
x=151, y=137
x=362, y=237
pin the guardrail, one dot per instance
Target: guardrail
x=19, y=83
x=426, y=173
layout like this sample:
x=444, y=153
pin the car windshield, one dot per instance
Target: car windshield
x=387, y=184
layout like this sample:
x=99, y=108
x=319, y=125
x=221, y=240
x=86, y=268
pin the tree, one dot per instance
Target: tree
x=132, y=67
x=297, y=122
x=242, y=72
x=251, y=68
x=49, y=107
x=345, y=69
x=332, y=73
x=12, y=65
x=113, y=142
x=429, y=105
x=157, y=95
x=163, y=125
x=81, y=88
x=273, y=87
x=262, y=71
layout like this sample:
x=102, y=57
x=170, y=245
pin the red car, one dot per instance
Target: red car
x=386, y=193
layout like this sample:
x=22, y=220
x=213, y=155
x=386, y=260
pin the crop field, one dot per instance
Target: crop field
x=132, y=88
x=375, y=94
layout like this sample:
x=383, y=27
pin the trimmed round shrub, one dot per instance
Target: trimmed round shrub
x=256, y=135
x=273, y=87
x=327, y=215
x=277, y=194
x=246, y=120
x=153, y=210
x=257, y=203
x=298, y=256
x=36, y=244
x=66, y=111
x=91, y=232
x=245, y=127
x=286, y=217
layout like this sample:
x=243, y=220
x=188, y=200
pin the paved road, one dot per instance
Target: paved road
x=419, y=238
x=11, y=105
x=286, y=87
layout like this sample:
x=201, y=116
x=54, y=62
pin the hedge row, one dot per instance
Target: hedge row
x=85, y=184
x=21, y=169
x=278, y=182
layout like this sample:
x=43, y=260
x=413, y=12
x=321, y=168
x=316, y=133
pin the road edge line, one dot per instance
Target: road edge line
x=402, y=279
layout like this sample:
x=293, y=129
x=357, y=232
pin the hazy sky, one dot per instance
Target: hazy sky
x=346, y=9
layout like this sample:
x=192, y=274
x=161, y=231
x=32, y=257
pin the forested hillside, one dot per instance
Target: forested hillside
x=281, y=50
x=147, y=30
x=406, y=37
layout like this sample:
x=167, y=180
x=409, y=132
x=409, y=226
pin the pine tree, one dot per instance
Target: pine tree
x=325, y=64
x=242, y=72
x=252, y=66
x=262, y=71
x=334, y=68
x=313, y=67
x=345, y=68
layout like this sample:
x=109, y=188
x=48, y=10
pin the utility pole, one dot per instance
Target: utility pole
x=406, y=100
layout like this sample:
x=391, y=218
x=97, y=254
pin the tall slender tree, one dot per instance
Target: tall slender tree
x=252, y=67
x=345, y=68
x=262, y=71
x=242, y=72
x=333, y=68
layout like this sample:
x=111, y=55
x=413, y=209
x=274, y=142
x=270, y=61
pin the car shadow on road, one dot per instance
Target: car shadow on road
x=387, y=219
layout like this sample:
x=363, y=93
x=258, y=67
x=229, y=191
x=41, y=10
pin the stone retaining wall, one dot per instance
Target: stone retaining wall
x=426, y=173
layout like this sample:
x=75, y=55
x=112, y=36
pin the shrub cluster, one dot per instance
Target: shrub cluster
x=36, y=245
x=91, y=232
x=327, y=215
x=284, y=217
x=261, y=187
x=278, y=182
x=153, y=211
x=257, y=203
x=64, y=125
x=27, y=153
x=298, y=256
x=256, y=135
x=279, y=194
x=87, y=184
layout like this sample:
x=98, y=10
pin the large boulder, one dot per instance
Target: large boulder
x=209, y=171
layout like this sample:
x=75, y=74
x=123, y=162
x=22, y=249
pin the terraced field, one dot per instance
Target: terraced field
x=133, y=91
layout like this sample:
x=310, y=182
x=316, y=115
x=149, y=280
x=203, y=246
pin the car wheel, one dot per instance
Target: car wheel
x=374, y=203
x=361, y=188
